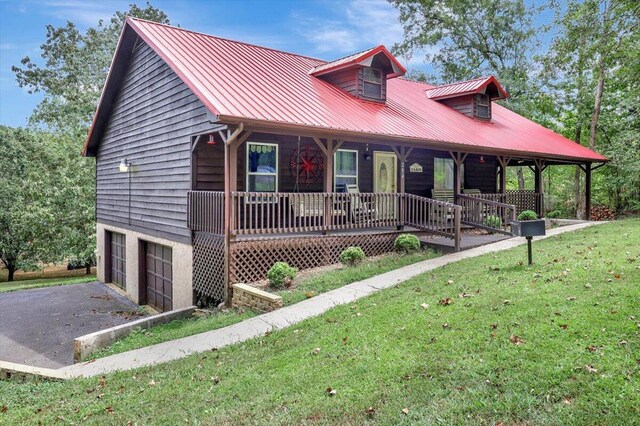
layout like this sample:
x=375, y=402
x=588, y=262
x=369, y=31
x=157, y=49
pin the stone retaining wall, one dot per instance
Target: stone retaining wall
x=254, y=298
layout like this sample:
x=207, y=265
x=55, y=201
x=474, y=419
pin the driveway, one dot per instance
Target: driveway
x=37, y=327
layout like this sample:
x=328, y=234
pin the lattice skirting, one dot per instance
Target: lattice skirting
x=208, y=265
x=251, y=259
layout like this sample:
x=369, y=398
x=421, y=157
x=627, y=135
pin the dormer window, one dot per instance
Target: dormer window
x=482, y=106
x=363, y=75
x=472, y=97
x=372, y=82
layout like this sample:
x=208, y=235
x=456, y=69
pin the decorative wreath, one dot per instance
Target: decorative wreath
x=307, y=164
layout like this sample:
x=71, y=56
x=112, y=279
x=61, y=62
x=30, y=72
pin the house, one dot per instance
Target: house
x=217, y=158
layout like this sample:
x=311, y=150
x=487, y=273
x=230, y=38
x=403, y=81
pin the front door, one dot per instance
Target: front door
x=385, y=180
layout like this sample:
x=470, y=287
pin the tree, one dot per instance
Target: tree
x=29, y=228
x=75, y=67
x=590, y=46
x=71, y=77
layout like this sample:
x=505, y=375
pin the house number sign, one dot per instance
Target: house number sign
x=415, y=168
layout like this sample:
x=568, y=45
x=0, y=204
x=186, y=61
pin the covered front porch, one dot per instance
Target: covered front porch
x=260, y=196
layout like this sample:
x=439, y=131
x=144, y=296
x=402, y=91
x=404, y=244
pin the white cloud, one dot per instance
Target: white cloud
x=87, y=12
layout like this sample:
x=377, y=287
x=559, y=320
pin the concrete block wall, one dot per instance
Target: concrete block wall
x=182, y=258
x=250, y=297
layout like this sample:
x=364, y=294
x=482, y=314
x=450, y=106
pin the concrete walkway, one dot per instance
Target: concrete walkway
x=285, y=317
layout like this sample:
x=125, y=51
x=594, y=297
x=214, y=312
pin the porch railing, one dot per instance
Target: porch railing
x=205, y=211
x=523, y=200
x=259, y=213
x=486, y=214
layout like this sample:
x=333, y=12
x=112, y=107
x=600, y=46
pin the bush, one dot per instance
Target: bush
x=352, y=256
x=527, y=215
x=555, y=214
x=493, y=221
x=407, y=243
x=281, y=274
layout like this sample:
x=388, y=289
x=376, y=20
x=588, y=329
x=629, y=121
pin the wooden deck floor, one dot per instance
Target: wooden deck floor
x=466, y=241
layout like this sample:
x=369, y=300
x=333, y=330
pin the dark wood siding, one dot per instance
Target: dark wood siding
x=150, y=125
x=479, y=175
x=347, y=80
x=210, y=172
x=462, y=104
x=360, y=93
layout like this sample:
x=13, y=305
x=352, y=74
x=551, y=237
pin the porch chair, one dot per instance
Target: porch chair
x=471, y=192
x=446, y=195
x=360, y=210
x=312, y=206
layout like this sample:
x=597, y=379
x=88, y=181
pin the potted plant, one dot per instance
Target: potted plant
x=528, y=225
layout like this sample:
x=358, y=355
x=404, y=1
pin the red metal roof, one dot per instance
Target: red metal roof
x=477, y=85
x=239, y=82
x=357, y=58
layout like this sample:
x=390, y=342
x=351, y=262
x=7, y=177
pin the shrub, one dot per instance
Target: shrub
x=555, y=214
x=352, y=256
x=281, y=274
x=527, y=215
x=407, y=243
x=493, y=221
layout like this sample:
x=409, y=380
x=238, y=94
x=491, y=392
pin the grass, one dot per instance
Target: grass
x=44, y=282
x=575, y=315
x=316, y=283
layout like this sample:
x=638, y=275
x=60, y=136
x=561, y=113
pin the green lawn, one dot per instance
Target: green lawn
x=44, y=282
x=316, y=284
x=555, y=343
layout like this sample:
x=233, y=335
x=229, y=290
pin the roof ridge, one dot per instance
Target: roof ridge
x=173, y=27
x=348, y=56
x=461, y=81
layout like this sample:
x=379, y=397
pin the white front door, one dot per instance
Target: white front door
x=385, y=180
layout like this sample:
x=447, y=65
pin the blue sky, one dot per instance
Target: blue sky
x=326, y=29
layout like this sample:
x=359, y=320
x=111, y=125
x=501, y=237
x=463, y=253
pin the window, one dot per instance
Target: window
x=443, y=173
x=372, y=79
x=262, y=167
x=483, y=106
x=345, y=167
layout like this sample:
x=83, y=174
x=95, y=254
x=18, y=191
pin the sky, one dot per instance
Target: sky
x=325, y=29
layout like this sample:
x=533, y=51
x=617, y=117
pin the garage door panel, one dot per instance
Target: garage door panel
x=159, y=275
x=117, y=259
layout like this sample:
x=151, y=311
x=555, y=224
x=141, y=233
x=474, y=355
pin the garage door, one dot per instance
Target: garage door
x=159, y=276
x=118, y=259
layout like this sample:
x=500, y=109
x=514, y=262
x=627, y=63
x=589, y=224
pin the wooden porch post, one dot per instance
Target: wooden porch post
x=539, y=187
x=228, y=139
x=503, y=161
x=458, y=159
x=587, y=191
x=329, y=152
x=403, y=156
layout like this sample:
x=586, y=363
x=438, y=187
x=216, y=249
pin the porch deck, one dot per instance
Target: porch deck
x=467, y=242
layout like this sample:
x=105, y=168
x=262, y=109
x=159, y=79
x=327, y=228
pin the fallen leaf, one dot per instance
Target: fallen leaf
x=330, y=391
x=563, y=326
x=571, y=298
x=494, y=326
x=450, y=282
x=590, y=369
x=309, y=294
x=405, y=411
x=446, y=301
x=215, y=380
x=316, y=351
x=623, y=342
x=152, y=382
x=592, y=348
x=370, y=411
x=463, y=295
x=618, y=276
x=3, y=409
x=516, y=340
x=445, y=325
x=506, y=302
x=109, y=410
x=567, y=401
x=425, y=306
x=344, y=340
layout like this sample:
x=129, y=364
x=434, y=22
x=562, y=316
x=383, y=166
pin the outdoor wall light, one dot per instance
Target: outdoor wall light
x=482, y=159
x=367, y=156
x=125, y=166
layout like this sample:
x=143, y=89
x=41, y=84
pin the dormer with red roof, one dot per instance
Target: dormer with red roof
x=471, y=98
x=363, y=74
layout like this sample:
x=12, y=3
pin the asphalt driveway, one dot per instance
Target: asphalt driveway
x=37, y=327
